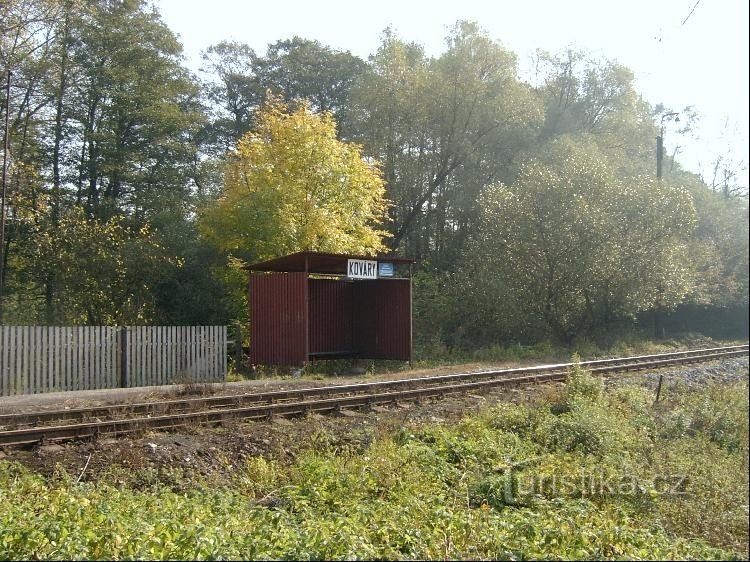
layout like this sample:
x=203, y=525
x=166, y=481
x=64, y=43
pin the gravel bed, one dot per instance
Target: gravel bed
x=733, y=369
x=213, y=452
x=27, y=403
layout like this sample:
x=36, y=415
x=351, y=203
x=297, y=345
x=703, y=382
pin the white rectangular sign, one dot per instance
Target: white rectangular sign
x=362, y=269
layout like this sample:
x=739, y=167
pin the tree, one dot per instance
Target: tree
x=444, y=128
x=104, y=271
x=390, y=109
x=293, y=69
x=135, y=112
x=595, y=99
x=729, y=171
x=573, y=248
x=104, y=121
x=304, y=69
x=233, y=91
x=27, y=46
x=291, y=185
x=719, y=247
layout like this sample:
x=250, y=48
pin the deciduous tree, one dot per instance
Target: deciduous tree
x=291, y=185
x=573, y=247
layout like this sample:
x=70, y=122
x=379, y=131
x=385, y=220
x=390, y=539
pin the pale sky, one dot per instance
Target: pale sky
x=702, y=62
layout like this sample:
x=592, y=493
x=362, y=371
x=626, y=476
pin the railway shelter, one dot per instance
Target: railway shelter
x=311, y=305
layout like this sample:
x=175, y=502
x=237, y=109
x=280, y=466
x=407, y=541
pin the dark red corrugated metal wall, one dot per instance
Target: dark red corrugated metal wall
x=383, y=318
x=367, y=318
x=331, y=316
x=278, y=318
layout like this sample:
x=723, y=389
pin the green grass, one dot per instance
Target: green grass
x=437, y=355
x=581, y=473
x=434, y=355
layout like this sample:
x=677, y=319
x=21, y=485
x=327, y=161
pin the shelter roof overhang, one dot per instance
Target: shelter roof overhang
x=319, y=262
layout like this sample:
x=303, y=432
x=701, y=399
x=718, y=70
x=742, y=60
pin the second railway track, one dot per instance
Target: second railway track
x=119, y=419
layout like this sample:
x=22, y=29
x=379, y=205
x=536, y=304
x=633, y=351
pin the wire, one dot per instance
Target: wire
x=691, y=12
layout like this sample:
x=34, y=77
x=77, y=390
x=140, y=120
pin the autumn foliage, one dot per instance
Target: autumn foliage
x=291, y=185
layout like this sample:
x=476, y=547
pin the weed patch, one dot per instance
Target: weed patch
x=582, y=473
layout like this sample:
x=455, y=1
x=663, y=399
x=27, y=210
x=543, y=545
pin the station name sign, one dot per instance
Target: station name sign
x=362, y=269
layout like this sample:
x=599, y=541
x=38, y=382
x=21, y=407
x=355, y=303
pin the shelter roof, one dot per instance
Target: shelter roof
x=318, y=262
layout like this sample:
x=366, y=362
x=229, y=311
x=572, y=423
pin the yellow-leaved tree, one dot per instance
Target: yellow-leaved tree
x=291, y=185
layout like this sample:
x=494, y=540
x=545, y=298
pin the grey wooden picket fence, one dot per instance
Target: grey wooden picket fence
x=37, y=359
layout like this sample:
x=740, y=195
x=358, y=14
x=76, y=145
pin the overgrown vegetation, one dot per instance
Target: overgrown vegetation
x=579, y=473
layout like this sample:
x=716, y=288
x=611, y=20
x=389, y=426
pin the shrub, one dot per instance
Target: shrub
x=581, y=384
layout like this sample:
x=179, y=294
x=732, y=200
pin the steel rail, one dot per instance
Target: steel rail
x=187, y=405
x=26, y=436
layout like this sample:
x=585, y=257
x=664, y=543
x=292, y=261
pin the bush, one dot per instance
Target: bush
x=495, y=491
x=581, y=385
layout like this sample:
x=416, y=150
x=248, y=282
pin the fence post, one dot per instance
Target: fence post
x=237, y=346
x=658, y=389
x=124, y=357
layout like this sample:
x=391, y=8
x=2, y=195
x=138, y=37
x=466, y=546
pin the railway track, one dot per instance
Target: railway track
x=119, y=419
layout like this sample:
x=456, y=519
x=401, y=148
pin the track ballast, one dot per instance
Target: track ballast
x=119, y=419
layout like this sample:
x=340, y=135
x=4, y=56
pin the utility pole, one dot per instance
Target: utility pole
x=660, y=141
x=659, y=152
x=3, y=195
x=658, y=328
